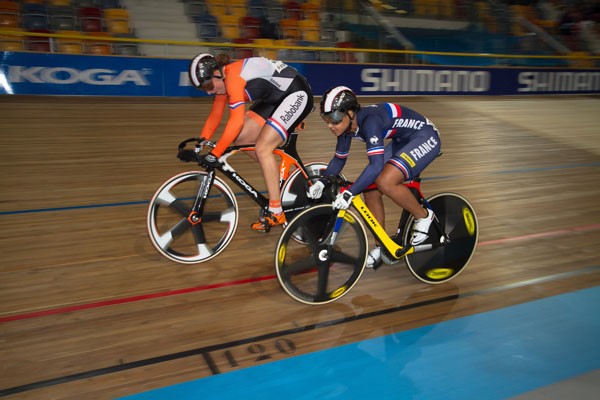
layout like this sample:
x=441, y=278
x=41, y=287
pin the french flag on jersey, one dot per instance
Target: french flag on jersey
x=339, y=154
x=373, y=151
x=394, y=111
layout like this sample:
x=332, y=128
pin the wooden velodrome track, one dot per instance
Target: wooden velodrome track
x=89, y=310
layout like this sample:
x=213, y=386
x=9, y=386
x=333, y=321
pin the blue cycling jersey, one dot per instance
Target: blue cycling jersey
x=415, y=142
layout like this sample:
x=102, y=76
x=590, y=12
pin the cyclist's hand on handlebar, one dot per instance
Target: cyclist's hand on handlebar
x=316, y=190
x=200, y=144
x=187, y=155
x=343, y=200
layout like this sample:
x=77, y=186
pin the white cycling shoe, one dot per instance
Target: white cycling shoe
x=420, y=231
x=374, y=257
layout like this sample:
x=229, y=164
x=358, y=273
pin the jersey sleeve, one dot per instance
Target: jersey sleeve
x=235, y=86
x=374, y=138
x=342, y=149
x=214, y=117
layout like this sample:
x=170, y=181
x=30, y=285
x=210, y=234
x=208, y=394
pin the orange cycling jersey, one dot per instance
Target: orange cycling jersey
x=246, y=80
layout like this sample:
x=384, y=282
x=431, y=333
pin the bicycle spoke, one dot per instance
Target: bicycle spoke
x=338, y=256
x=299, y=267
x=322, y=280
x=165, y=240
x=181, y=207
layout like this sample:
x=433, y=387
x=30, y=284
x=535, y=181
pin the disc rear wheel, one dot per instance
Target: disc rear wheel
x=447, y=257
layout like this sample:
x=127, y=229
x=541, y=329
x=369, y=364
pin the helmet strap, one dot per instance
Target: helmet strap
x=351, y=118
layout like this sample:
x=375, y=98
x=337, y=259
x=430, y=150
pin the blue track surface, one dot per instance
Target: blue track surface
x=493, y=355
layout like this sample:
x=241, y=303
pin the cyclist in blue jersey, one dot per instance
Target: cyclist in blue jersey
x=414, y=144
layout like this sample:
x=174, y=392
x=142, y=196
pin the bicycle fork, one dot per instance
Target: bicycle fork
x=195, y=215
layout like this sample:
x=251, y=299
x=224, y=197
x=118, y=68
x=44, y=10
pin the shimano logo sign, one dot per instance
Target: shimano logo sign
x=424, y=80
x=68, y=76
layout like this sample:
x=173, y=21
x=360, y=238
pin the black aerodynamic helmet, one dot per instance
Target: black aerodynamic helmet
x=336, y=102
x=202, y=69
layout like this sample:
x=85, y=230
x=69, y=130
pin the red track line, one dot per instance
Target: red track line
x=168, y=293
x=132, y=299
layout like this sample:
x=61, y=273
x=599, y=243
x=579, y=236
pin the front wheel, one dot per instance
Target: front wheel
x=294, y=198
x=314, y=271
x=447, y=257
x=182, y=239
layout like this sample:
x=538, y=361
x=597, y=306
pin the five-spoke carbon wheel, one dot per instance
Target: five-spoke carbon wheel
x=182, y=236
x=314, y=271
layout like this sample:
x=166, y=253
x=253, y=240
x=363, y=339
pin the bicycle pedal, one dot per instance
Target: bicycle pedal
x=388, y=260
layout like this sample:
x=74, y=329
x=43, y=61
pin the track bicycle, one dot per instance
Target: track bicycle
x=193, y=216
x=330, y=261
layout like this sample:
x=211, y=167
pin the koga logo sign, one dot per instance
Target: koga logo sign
x=69, y=76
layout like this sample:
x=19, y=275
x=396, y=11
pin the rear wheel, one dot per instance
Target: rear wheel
x=446, y=258
x=173, y=233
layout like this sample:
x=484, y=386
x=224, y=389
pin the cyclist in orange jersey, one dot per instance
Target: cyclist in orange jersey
x=281, y=99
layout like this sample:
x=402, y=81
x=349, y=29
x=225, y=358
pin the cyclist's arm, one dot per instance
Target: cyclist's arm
x=214, y=117
x=374, y=141
x=342, y=150
x=235, y=88
x=369, y=174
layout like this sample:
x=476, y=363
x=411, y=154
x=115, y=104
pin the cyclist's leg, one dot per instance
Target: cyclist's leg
x=374, y=201
x=390, y=182
x=253, y=123
x=409, y=159
x=267, y=141
x=288, y=113
x=374, y=198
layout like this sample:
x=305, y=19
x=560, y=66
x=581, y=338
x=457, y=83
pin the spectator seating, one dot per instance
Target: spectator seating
x=230, y=25
x=95, y=45
x=310, y=30
x=290, y=29
x=105, y=4
x=90, y=19
x=293, y=10
x=34, y=17
x=69, y=45
x=12, y=43
x=59, y=3
x=275, y=13
x=116, y=21
x=196, y=8
x=257, y=8
x=250, y=27
x=310, y=10
x=242, y=52
x=39, y=43
x=9, y=15
x=85, y=3
x=207, y=26
x=266, y=52
x=62, y=18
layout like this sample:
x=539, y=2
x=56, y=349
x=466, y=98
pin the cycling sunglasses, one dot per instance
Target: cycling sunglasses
x=333, y=117
x=207, y=84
